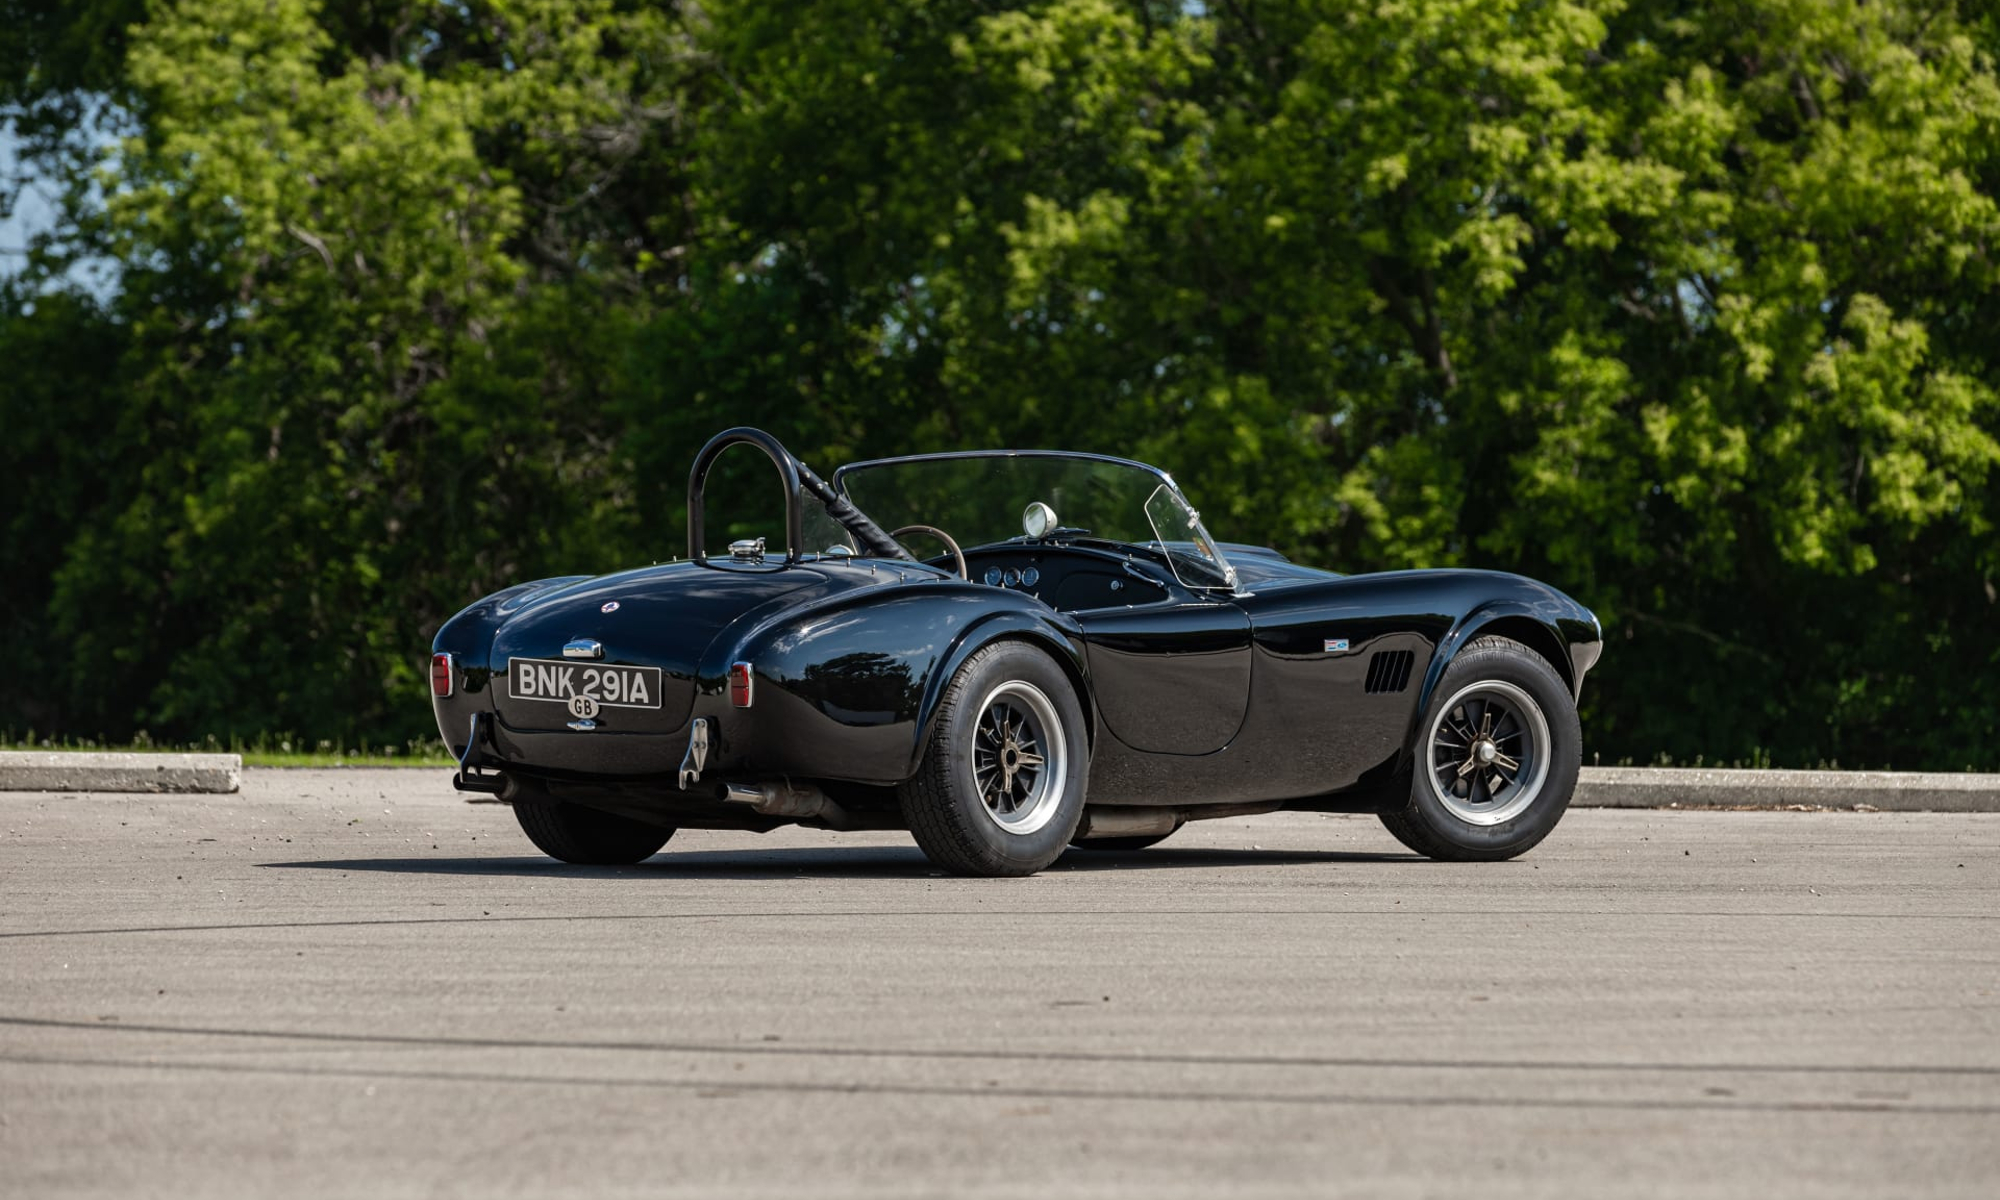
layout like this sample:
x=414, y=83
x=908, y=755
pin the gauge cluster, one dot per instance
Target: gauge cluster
x=1024, y=577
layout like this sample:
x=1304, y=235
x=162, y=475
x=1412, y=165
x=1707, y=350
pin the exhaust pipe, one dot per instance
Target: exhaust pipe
x=783, y=798
x=1101, y=821
x=1109, y=821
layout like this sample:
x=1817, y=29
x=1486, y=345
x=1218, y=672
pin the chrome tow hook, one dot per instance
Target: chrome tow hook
x=697, y=754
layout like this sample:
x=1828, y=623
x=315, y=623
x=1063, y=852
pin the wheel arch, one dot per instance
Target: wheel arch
x=1513, y=620
x=1006, y=627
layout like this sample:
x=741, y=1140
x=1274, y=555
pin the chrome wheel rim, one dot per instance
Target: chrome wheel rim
x=1020, y=762
x=1489, y=753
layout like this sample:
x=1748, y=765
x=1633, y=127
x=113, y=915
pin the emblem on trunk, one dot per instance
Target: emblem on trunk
x=1336, y=645
x=582, y=706
x=610, y=606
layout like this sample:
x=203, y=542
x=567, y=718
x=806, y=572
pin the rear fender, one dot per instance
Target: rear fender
x=856, y=683
x=1063, y=644
x=468, y=638
x=469, y=633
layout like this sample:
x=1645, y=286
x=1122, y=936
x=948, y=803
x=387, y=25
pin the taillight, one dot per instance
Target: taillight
x=443, y=675
x=740, y=685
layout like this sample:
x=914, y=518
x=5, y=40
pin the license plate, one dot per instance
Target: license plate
x=558, y=681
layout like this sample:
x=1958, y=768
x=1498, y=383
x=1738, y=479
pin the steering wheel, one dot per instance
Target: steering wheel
x=940, y=535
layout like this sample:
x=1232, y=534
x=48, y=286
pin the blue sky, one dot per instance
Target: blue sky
x=33, y=213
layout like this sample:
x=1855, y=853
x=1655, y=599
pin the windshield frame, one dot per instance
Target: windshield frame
x=1166, y=480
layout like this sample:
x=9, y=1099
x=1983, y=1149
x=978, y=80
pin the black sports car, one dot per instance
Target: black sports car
x=1081, y=665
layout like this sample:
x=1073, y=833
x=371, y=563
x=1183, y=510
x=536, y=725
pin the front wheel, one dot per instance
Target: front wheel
x=1001, y=787
x=587, y=836
x=1497, y=757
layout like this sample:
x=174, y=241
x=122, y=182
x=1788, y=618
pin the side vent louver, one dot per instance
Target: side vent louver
x=1389, y=670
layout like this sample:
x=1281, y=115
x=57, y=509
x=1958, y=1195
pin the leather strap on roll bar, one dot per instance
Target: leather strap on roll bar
x=874, y=542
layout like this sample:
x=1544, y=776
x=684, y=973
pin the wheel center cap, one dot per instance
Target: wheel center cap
x=1487, y=752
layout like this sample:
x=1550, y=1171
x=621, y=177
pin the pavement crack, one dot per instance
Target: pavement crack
x=805, y=1050
x=722, y=1088
x=987, y=918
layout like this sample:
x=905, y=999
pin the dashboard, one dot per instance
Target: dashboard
x=1065, y=578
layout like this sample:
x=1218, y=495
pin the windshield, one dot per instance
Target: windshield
x=979, y=499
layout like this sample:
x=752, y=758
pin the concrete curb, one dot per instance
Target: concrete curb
x=39, y=771
x=1693, y=787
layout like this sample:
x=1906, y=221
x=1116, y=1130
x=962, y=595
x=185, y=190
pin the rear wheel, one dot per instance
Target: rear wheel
x=1001, y=786
x=588, y=836
x=1496, y=757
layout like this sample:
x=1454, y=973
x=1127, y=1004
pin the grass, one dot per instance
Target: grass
x=265, y=750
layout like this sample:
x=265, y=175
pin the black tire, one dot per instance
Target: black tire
x=1124, y=845
x=587, y=836
x=1487, y=825
x=956, y=805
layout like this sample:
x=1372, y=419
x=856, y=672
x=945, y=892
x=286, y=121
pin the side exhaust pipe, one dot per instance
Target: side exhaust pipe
x=1100, y=821
x=1109, y=821
x=782, y=798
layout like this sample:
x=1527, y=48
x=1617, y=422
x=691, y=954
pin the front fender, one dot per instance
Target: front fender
x=1552, y=625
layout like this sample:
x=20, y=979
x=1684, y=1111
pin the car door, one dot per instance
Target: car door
x=1171, y=671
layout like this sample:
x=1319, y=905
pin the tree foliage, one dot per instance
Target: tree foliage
x=1689, y=308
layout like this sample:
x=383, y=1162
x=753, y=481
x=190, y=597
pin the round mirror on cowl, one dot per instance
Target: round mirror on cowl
x=1038, y=521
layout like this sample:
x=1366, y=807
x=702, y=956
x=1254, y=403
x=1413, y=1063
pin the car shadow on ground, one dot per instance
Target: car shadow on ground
x=869, y=862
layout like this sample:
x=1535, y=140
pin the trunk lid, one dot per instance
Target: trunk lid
x=661, y=619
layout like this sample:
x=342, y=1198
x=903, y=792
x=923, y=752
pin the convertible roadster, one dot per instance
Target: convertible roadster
x=1075, y=663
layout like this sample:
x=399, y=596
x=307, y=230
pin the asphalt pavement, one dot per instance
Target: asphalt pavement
x=351, y=983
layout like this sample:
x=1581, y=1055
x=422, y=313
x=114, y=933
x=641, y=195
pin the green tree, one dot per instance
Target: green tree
x=358, y=306
x=1687, y=307
x=1667, y=303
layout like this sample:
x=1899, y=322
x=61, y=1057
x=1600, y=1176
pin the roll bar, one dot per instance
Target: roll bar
x=797, y=478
